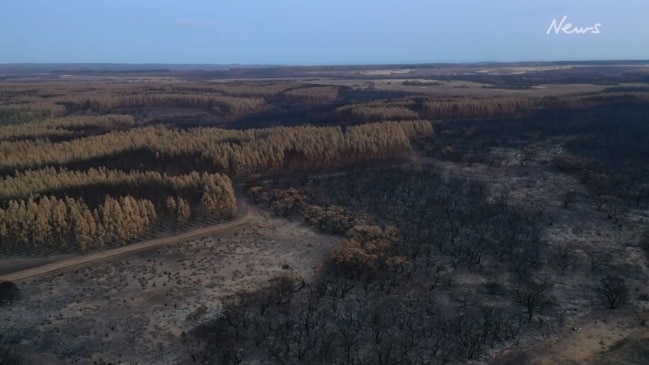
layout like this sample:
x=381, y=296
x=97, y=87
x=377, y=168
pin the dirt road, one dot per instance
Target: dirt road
x=244, y=217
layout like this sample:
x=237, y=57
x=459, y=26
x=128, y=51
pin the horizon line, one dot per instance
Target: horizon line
x=322, y=64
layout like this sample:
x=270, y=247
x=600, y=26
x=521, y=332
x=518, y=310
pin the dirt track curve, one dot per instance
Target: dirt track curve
x=244, y=217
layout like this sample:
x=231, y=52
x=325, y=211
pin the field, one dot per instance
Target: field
x=414, y=214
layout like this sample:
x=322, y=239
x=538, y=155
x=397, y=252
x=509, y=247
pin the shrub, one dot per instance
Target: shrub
x=615, y=291
x=8, y=292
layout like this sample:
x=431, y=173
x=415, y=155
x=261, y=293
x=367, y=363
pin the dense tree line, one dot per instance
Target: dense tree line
x=236, y=88
x=47, y=223
x=50, y=224
x=312, y=94
x=37, y=182
x=494, y=107
x=478, y=107
x=69, y=127
x=216, y=103
x=230, y=151
x=377, y=113
x=380, y=110
x=296, y=92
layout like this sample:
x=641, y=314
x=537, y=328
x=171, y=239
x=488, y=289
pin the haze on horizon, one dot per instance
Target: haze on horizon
x=293, y=32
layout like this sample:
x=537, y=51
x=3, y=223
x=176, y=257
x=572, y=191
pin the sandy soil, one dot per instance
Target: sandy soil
x=134, y=310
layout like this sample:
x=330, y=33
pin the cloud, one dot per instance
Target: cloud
x=192, y=23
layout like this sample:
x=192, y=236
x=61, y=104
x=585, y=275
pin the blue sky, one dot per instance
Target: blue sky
x=312, y=32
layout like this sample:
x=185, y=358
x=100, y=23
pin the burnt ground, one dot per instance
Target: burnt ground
x=135, y=310
x=589, y=333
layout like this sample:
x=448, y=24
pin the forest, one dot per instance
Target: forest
x=433, y=264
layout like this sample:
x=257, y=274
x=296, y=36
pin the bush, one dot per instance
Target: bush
x=8, y=292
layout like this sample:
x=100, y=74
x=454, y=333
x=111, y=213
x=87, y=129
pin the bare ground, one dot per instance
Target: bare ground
x=134, y=310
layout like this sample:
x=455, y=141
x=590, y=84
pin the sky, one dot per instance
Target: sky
x=319, y=32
